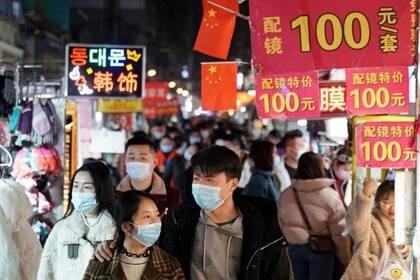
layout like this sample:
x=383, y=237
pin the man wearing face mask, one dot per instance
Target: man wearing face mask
x=157, y=131
x=221, y=234
x=285, y=167
x=340, y=171
x=140, y=158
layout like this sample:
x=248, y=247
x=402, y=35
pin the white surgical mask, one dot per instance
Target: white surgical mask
x=138, y=170
x=84, y=202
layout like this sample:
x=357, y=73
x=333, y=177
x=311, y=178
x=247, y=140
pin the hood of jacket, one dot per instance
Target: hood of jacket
x=158, y=186
x=312, y=184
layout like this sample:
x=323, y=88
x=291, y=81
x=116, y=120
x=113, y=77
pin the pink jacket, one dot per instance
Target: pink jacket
x=325, y=212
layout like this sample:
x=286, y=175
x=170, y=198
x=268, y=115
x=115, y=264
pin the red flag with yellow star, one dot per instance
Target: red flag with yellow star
x=217, y=28
x=218, y=86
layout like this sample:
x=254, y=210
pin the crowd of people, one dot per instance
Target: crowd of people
x=208, y=203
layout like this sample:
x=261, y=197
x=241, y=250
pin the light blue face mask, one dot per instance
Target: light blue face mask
x=84, y=202
x=166, y=148
x=187, y=155
x=207, y=197
x=147, y=234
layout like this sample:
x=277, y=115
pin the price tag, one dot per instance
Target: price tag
x=373, y=91
x=286, y=96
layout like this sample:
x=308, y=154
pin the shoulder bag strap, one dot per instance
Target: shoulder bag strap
x=299, y=203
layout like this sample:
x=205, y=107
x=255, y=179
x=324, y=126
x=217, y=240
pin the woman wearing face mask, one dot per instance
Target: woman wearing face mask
x=179, y=172
x=136, y=257
x=340, y=171
x=86, y=224
x=370, y=222
x=166, y=153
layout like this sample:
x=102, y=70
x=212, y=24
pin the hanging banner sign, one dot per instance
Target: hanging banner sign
x=156, y=92
x=385, y=141
x=372, y=91
x=120, y=105
x=333, y=99
x=104, y=71
x=288, y=96
x=305, y=35
x=160, y=109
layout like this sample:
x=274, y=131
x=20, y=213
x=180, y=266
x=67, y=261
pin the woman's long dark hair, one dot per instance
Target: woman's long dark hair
x=127, y=205
x=102, y=181
x=261, y=153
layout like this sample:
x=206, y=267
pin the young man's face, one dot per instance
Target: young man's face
x=141, y=153
x=295, y=145
x=219, y=180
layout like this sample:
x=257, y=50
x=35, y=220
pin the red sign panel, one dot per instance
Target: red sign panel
x=385, y=144
x=156, y=92
x=159, y=109
x=287, y=96
x=373, y=91
x=333, y=99
x=304, y=35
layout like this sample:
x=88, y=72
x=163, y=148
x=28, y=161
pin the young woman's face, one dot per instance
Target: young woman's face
x=83, y=183
x=147, y=213
x=387, y=206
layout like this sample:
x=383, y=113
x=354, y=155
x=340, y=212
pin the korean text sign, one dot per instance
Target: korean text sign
x=373, y=91
x=304, y=35
x=286, y=96
x=385, y=141
x=105, y=71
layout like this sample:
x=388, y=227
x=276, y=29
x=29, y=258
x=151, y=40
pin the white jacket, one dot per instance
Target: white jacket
x=55, y=263
x=20, y=250
x=282, y=174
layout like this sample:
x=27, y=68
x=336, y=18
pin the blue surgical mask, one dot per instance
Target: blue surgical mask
x=166, y=148
x=138, y=170
x=207, y=197
x=84, y=202
x=187, y=155
x=195, y=139
x=147, y=234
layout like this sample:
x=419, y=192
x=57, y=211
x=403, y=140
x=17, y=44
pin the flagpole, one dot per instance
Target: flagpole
x=228, y=10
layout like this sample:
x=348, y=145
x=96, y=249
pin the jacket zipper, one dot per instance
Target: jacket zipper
x=259, y=250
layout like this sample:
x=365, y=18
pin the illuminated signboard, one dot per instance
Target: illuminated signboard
x=105, y=70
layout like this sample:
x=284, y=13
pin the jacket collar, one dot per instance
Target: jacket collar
x=313, y=184
x=158, y=186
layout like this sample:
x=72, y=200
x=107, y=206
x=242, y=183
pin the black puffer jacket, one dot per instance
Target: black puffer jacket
x=264, y=248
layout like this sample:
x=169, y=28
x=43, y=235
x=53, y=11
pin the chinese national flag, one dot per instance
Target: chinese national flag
x=218, y=86
x=216, y=28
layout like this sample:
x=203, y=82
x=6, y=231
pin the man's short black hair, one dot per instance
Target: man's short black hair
x=275, y=133
x=140, y=140
x=215, y=160
x=290, y=135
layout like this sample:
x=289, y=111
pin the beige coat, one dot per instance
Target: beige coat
x=158, y=186
x=324, y=209
x=370, y=233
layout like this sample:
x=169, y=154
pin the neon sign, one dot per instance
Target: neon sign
x=105, y=71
